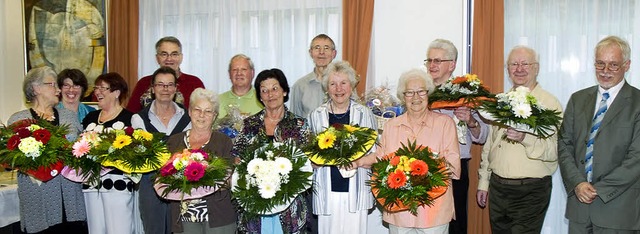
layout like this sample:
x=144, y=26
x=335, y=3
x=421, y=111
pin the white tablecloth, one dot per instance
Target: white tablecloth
x=9, y=208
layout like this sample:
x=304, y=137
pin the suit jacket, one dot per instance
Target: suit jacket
x=616, y=165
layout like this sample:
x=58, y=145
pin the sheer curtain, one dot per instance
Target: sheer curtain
x=564, y=33
x=274, y=33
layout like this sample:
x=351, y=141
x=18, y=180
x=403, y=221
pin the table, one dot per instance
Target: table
x=9, y=208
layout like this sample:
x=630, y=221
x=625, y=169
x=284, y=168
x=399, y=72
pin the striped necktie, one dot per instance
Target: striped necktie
x=597, y=120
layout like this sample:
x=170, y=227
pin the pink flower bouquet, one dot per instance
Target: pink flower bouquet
x=191, y=174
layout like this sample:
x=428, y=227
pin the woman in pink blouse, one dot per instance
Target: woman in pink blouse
x=427, y=128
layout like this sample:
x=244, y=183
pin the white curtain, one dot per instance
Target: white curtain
x=564, y=33
x=274, y=34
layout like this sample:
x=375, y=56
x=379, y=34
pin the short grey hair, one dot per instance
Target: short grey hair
x=528, y=49
x=446, y=45
x=615, y=41
x=342, y=67
x=414, y=74
x=210, y=96
x=240, y=56
x=35, y=77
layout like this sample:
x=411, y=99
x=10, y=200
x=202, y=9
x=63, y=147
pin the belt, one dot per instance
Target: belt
x=108, y=184
x=522, y=181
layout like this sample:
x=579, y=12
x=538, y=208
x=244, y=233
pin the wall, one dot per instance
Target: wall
x=403, y=30
x=401, y=34
x=12, y=58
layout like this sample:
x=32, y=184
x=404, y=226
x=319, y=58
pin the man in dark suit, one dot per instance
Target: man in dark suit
x=599, y=147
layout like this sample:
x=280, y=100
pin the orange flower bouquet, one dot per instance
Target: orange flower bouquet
x=460, y=91
x=411, y=177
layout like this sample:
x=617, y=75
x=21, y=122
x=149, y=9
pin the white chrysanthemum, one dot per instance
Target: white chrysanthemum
x=283, y=165
x=267, y=190
x=269, y=154
x=254, y=165
x=197, y=156
x=118, y=125
x=522, y=111
x=30, y=147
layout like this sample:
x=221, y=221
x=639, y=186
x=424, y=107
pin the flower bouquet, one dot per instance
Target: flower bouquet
x=191, y=172
x=460, y=91
x=231, y=124
x=340, y=144
x=409, y=178
x=520, y=110
x=383, y=104
x=34, y=147
x=268, y=179
x=129, y=150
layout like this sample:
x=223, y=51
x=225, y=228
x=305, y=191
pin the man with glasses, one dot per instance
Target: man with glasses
x=598, y=147
x=306, y=93
x=242, y=94
x=169, y=54
x=517, y=166
x=440, y=63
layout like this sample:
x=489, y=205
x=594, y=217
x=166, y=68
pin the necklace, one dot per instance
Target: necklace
x=272, y=119
x=339, y=116
x=188, y=143
x=109, y=117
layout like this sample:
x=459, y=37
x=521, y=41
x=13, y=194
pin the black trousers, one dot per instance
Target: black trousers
x=518, y=205
x=460, y=199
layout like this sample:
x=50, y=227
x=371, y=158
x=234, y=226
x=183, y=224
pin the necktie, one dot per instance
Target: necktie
x=597, y=120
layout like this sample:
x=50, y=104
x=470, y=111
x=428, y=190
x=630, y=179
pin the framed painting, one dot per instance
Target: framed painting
x=66, y=34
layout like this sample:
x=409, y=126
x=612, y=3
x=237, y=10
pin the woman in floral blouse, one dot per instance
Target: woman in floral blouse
x=274, y=123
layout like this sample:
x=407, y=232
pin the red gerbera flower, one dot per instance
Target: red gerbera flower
x=337, y=126
x=396, y=179
x=168, y=169
x=194, y=171
x=13, y=142
x=23, y=132
x=459, y=80
x=419, y=167
x=42, y=135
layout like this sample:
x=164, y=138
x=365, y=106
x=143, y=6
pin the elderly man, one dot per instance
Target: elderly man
x=169, y=54
x=306, y=93
x=242, y=94
x=440, y=63
x=517, y=166
x=598, y=147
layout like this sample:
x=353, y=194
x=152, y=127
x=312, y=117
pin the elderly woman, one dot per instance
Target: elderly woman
x=427, y=128
x=213, y=212
x=168, y=117
x=55, y=206
x=73, y=84
x=342, y=203
x=111, y=208
x=275, y=123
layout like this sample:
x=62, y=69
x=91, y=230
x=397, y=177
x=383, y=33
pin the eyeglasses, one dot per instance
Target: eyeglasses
x=524, y=65
x=166, y=86
x=421, y=92
x=102, y=88
x=70, y=86
x=611, y=66
x=206, y=112
x=173, y=55
x=436, y=61
x=52, y=84
x=320, y=48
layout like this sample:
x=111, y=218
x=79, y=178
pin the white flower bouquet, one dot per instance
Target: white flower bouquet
x=268, y=179
x=520, y=110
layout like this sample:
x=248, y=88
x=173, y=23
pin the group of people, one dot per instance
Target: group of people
x=596, y=154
